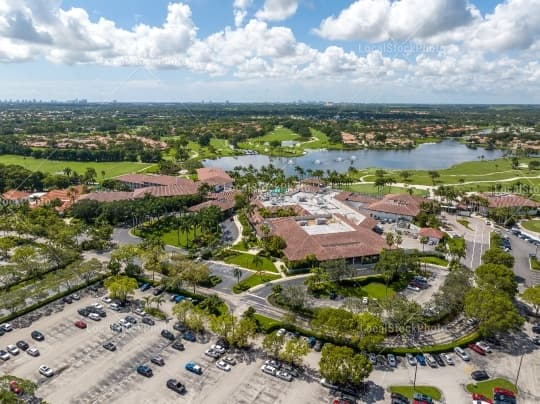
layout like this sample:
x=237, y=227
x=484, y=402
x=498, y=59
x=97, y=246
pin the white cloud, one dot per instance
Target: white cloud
x=381, y=20
x=277, y=10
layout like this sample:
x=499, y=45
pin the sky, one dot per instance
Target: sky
x=364, y=51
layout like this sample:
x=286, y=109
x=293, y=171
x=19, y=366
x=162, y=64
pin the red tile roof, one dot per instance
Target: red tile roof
x=398, y=204
x=509, y=201
x=15, y=195
x=214, y=176
x=431, y=233
x=223, y=204
x=111, y=196
x=186, y=187
x=152, y=180
x=66, y=196
x=356, y=243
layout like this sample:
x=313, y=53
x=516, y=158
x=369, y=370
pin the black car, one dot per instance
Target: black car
x=332, y=295
x=148, y=320
x=318, y=346
x=178, y=346
x=67, y=299
x=131, y=319
x=2, y=332
x=536, y=328
x=179, y=327
x=167, y=334
x=158, y=291
x=22, y=345
x=101, y=312
x=223, y=342
x=399, y=399
x=479, y=375
x=84, y=312
x=175, y=385
x=37, y=335
x=438, y=358
x=109, y=346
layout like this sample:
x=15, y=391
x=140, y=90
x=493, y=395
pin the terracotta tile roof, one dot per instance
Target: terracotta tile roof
x=348, y=244
x=111, y=196
x=509, y=201
x=223, y=204
x=66, y=196
x=15, y=195
x=398, y=204
x=430, y=232
x=187, y=187
x=152, y=180
x=214, y=176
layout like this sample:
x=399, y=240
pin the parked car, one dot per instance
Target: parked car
x=439, y=360
x=230, y=360
x=318, y=346
x=106, y=299
x=479, y=375
x=175, y=385
x=218, y=348
x=269, y=369
x=421, y=359
x=275, y=364
x=211, y=353
x=131, y=319
x=38, y=336
x=411, y=286
x=484, y=346
x=67, y=299
x=503, y=392
x=148, y=321
x=76, y=296
x=46, y=371
x=4, y=355
x=290, y=369
x=125, y=323
x=83, y=312
x=94, y=316
x=536, y=328
x=411, y=359
x=22, y=345
x=158, y=360
x=32, y=352
x=139, y=311
x=15, y=388
x=536, y=340
x=189, y=336
x=422, y=398
x=145, y=370
x=372, y=358
x=179, y=298
x=193, y=367
x=116, y=327
x=462, y=354
x=158, y=291
x=145, y=287
x=167, y=335
x=12, y=349
x=109, y=346
x=476, y=349
x=391, y=360
x=430, y=360
x=97, y=305
x=283, y=375
x=223, y=366
x=179, y=327
x=178, y=346
x=114, y=306
x=398, y=398
x=448, y=359
x=80, y=324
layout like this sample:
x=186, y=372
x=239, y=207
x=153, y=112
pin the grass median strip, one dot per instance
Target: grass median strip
x=254, y=280
x=408, y=391
x=249, y=261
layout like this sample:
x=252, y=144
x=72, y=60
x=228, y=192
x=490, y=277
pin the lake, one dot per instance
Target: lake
x=428, y=156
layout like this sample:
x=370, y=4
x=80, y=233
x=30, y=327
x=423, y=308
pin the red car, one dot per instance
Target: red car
x=80, y=324
x=477, y=349
x=480, y=399
x=14, y=387
x=504, y=392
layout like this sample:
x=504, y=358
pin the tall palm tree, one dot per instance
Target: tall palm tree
x=237, y=272
x=147, y=301
x=158, y=300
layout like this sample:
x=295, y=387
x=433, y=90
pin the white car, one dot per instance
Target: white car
x=125, y=323
x=46, y=371
x=281, y=332
x=211, y=353
x=139, y=311
x=97, y=305
x=230, y=360
x=7, y=327
x=114, y=306
x=218, y=348
x=430, y=360
x=106, y=299
x=284, y=375
x=32, y=351
x=412, y=287
x=391, y=360
x=269, y=369
x=223, y=366
x=12, y=349
x=411, y=359
x=448, y=359
x=462, y=354
x=484, y=346
x=4, y=355
x=365, y=300
x=94, y=316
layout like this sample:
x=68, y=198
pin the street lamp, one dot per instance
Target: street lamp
x=414, y=382
x=519, y=369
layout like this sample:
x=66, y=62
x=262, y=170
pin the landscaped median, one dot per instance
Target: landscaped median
x=254, y=280
x=253, y=262
x=408, y=391
x=486, y=388
x=535, y=265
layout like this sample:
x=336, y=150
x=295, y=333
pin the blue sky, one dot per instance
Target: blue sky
x=432, y=51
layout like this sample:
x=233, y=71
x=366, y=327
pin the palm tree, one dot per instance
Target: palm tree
x=424, y=240
x=257, y=261
x=158, y=300
x=147, y=301
x=237, y=272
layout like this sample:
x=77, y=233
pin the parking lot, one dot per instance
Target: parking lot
x=85, y=372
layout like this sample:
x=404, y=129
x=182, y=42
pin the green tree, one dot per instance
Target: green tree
x=153, y=254
x=182, y=310
x=496, y=277
x=273, y=343
x=434, y=175
x=532, y=296
x=237, y=273
x=495, y=311
x=294, y=350
x=497, y=256
x=158, y=301
x=244, y=330
x=340, y=365
x=120, y=286
x=316, y=282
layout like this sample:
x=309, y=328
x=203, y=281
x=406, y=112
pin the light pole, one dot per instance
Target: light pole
x=414, y=382
x=519, y=369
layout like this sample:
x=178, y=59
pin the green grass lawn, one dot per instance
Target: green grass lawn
x=113, y=169
x=279, y=134
x=241, y=246
x=408, y=391
x=171, y=238
x=265, y=323
x=246, y=261
x=535, y=264
x=321, y=142
x=434, y=260
x=378, y=290
x=254, y=280
x=532, y=225
x=464, y=223
x=371, y=189
x=486, y=388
